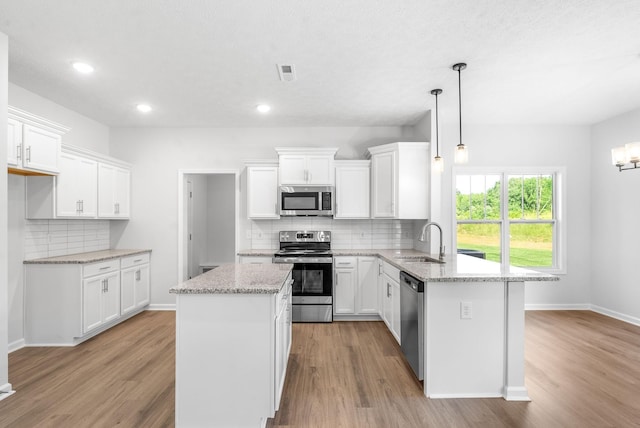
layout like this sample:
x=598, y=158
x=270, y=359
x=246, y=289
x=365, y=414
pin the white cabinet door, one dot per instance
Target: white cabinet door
x=367, y=285
x=127, y=290
x=395, y=310
x=111, y=297
x=14, y=143
x=344, y=295
x=352, y=191
x=387, y=306
x=122, y=192
x=76, y=187
x=319, y=170
x=262, y=192
x=142, y=285
x=41, y=149
x=293, y=169
x=92, y=303
x=383, y=185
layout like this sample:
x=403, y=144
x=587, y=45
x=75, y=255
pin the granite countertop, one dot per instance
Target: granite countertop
x=257, y=253
x=90, y=257
x=456, y=267
x=237, y=279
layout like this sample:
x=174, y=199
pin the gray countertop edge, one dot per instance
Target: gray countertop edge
x=88, y=257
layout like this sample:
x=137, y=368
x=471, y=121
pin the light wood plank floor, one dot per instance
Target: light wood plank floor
x=583, y=370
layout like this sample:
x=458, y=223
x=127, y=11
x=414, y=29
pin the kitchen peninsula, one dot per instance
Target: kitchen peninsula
x=233, y=335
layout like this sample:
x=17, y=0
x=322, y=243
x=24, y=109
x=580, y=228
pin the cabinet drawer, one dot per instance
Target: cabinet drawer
x=345, y=262
x=135, y=260
x=392, y=271
x=101, y=267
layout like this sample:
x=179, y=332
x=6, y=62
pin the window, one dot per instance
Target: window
x=510, y=217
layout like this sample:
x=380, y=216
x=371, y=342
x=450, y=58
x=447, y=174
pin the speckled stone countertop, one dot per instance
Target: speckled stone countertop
x=456, y=267
x=257, y=253
x=237, y=279
x=90, y=257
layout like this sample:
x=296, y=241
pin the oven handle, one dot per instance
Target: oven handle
x=314, y=260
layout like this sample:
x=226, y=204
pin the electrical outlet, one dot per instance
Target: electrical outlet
x=466, y=310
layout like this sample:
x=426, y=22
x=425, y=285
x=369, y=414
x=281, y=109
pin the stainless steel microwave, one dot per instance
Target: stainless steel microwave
x=306, y=200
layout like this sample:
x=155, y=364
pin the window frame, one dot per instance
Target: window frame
x=559, y=212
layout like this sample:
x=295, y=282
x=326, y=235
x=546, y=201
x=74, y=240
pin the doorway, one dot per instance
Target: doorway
x=207, y=230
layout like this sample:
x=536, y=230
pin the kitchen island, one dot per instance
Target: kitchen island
x=233, y=335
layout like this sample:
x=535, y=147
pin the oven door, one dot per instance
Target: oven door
x=312, y=279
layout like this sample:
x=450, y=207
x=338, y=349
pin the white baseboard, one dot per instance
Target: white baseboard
x=516, y=393
x=161, y=307
x=465, y=395
x=5, y=391
x=617, y=315
x=14, y=346
x=557, y=307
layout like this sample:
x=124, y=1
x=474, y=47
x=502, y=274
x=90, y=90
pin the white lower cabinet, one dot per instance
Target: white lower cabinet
x=66, y=304
x=389, y=283
x=283, y=339
x=134, y=282
x=355, y=286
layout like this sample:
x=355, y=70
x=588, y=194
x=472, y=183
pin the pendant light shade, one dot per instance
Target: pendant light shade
x=461, y=154
x=438, y=162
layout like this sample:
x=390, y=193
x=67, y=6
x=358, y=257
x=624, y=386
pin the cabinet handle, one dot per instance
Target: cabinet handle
x=103, y=286
x=379, y=269
x=138, y=275
x=19, y=151
x=28, y=153
x=137, y=260
x=105, y=267
x=388, y=292
x=344, y=263
x=106, y=285
x=78, y=206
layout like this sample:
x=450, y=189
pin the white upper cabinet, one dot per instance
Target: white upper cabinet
x=14, y=143
x=352, y=189
x=300, y=166
x=79, y=190
x=262, y=191
x=114, y=188
x=33, y=143
x=400, y=181
x=76, y=194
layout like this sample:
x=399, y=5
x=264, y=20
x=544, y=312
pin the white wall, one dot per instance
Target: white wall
x=85, y=132
x=526, y=146
x=615, y=208
x=158, y=154
x=4, y=242
x=221, y=218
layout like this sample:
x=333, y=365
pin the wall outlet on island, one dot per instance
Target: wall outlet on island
x=466, y=310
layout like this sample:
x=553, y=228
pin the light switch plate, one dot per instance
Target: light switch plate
x=466, y=310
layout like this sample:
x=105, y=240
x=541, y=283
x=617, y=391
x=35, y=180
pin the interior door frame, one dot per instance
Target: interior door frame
x=182, y=212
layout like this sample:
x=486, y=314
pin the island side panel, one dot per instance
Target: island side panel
x=464, y=357
x=515, y=389
x=224, y=359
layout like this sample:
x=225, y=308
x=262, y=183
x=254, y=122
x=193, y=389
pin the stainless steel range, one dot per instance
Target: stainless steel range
x=312, y=292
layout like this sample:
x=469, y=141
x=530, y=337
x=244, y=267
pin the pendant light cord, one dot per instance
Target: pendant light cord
x=460, y=105
x=437, y=136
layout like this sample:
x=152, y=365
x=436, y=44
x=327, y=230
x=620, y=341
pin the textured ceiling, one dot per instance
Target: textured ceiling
x=358, y=62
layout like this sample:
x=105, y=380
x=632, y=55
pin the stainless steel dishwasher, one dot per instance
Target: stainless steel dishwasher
x=412, y=321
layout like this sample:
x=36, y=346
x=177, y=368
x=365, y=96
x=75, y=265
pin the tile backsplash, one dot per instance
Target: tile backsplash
x=49, y=238
x=347, y=234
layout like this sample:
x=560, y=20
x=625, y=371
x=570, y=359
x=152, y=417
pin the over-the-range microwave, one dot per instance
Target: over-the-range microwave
x=306, y=200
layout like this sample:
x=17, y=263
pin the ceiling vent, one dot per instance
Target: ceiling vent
x=287, y=72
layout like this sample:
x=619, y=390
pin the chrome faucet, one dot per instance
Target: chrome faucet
x=423, y=236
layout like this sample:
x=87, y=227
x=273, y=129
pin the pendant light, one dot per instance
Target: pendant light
x=462, y=154
x=438, y=163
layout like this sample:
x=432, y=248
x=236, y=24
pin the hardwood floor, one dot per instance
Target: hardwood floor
x=583, y=370
x=124, y=376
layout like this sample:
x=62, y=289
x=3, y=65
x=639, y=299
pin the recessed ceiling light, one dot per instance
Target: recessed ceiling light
x=263, y=108
x=144, y=108
x=83, y=67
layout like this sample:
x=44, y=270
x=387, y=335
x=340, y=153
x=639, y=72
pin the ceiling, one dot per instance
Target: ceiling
x=208, y=63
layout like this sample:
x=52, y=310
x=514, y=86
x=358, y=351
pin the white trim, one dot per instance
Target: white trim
x=367, y=317
x=98, y=157
x=617, y=315
x=34, y=120
x=181, y=174
x=516, y=393
x=161, y=307
x=5, y=391
x=15, y=345
x=557, y=307
x=466, y=395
